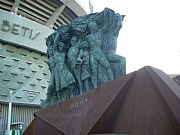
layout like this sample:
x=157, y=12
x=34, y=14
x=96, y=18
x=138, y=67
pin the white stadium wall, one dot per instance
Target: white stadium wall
x=24, y=27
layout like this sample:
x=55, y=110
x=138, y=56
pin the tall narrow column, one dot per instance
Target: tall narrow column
x=9, y=113
x=15, y=6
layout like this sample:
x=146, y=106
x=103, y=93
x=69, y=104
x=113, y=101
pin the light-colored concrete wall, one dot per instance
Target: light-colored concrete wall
x=23, y=61
x=23, y=32
x=74, y=6
x=25, y=72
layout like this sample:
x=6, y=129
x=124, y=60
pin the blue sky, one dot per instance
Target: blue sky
x=150, y=33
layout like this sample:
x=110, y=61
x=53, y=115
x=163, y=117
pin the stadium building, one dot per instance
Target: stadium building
x=24, y=27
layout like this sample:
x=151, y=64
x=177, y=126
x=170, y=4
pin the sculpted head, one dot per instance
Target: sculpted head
x=60, y=46
x=63, y=32
x=90, y=40
x=84, y=44
x=74, y=40
x=93, y=26
x=50, y=51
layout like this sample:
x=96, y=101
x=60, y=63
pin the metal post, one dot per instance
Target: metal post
x=90, y=7
x=9, y=112
x=15, y=6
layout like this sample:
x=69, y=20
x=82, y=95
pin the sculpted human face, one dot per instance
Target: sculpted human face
x=60, y=46
x=74, y=41
x=93, y=26
x=50, y=51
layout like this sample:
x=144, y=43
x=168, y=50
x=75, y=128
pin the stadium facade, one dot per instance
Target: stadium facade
x=24, y=27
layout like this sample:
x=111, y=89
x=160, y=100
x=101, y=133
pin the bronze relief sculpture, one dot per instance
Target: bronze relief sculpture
x=81, y=55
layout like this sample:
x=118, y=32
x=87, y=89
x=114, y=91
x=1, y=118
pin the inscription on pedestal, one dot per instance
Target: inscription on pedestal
x=79, y=103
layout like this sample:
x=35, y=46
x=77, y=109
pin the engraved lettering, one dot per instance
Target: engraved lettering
x=6, y=26
x=36, y=35
x=76, y=105
x=24, y=30
x=15, y=29
x=30, y=33
x=86, y=100
x=79, y=103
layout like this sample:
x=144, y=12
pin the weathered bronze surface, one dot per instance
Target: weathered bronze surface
x=81, y=55
x=145, y=102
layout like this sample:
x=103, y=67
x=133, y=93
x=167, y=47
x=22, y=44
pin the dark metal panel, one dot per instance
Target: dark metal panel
x=142, y=103
x=79, y=115
x=31, y=129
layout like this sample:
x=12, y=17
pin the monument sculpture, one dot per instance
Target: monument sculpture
x=82, y=55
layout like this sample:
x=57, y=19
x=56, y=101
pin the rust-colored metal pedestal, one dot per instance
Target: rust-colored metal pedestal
x=145, y=102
